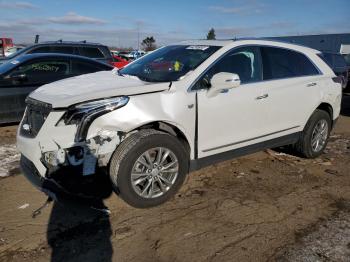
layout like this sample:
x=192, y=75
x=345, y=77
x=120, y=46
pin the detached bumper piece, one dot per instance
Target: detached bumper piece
x=68, y=183
x=49, y=187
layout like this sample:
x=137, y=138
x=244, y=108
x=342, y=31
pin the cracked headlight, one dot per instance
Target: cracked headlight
x=84, y=114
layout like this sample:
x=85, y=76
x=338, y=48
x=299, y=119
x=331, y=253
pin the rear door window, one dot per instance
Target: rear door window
x=279, y=63
x=62, y=49
x=54, y=49
x=92, y=52
x=81, y=67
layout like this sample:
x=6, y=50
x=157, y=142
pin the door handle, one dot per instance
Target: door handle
x=311, y=84
x=262, y=97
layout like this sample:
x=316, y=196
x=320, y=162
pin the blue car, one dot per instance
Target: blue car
x=22, y=75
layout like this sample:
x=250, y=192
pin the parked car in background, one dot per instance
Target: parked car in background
x=5, y=44
x=338, y=64
x=24, y=74
x=91, y=50
x=148, y=126
x=13, y=50
x=347, y=60
x=124, y=55
x=119, y=62
x=136, y=54
x=114, y=52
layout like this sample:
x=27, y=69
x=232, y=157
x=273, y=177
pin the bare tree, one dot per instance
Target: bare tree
x=149, y=43
x=211, y=34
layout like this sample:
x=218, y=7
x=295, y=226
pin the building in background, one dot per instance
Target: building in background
x=326, y=42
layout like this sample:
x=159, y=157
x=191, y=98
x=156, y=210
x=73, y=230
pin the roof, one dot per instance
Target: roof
x=249, y=41
x=207, y=42
x=59, y=42
x=26, y=57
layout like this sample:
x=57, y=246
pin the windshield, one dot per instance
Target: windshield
x=8, y=65
x=169, y=63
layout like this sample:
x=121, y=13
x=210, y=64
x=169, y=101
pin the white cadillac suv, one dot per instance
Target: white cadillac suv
x=175, y=110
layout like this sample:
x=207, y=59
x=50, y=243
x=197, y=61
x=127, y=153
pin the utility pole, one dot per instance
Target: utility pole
x=138, y=36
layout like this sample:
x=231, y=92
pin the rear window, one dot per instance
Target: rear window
x=281, y=63
x=92, y=52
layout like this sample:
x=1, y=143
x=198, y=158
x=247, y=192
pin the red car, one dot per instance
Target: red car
x=5, y=43
x=119, y=62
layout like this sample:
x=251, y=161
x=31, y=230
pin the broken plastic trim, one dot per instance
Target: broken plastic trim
x=84, y=114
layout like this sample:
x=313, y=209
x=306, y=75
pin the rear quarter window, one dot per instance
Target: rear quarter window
x=105, y=51
x=92, y=52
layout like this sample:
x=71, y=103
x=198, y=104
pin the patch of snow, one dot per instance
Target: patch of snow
x=9, y=157
x=23, y=206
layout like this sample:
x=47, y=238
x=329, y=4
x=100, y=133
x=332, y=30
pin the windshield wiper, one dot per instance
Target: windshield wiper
x=144, y=78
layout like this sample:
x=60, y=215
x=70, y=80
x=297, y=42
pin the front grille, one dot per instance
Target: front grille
x=34, y=117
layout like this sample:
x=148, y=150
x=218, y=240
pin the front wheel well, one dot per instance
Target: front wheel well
x=327, y=108
x=168, y=128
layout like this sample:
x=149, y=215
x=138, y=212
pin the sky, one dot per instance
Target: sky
x=125, y=23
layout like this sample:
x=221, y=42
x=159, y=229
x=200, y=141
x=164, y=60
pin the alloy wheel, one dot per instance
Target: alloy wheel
x=154, y=172
x=319, y=135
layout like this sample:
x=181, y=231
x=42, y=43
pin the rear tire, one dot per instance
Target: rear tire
x=315, y=135
x=139, y=177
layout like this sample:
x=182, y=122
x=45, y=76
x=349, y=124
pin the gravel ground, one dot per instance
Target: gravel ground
x=329, y=240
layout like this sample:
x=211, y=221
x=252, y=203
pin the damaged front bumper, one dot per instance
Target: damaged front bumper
x=59, y=166
x=67, y=186
x=48, y=186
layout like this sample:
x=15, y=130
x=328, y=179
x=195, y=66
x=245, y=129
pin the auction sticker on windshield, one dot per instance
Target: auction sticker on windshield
x=198, y=47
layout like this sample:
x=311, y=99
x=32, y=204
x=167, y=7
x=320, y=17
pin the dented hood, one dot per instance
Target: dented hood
x=94, y=86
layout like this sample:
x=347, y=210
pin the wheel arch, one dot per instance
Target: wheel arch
x=327, y=108
x=170, y=129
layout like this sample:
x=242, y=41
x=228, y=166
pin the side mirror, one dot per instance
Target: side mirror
x=222, y=82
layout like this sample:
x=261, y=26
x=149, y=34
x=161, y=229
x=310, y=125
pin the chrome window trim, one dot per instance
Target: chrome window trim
x=255, y=45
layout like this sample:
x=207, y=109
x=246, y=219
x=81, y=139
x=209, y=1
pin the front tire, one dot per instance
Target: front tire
x=148, y=168
x=315, y=135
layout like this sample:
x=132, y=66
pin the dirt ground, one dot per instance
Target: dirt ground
x=269, y=206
